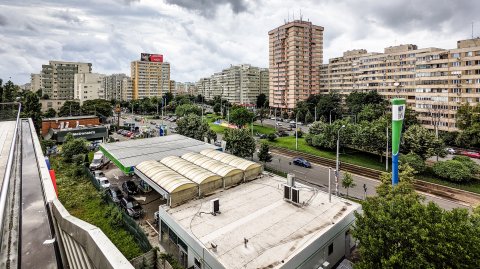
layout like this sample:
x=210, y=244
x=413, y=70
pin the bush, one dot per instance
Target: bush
x=299, y=133
x=272, y=137
x=473, y=166
x=452, y=170
x=414, y=161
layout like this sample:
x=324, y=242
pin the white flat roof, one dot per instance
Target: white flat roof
x=276, y=229
x=7, y=128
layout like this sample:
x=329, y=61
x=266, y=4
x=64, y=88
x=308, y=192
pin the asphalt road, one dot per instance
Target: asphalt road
x=318, y=175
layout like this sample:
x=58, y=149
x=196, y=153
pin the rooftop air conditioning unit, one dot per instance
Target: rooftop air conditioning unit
x=215, y=206
x=295, y=195
x=287, y=192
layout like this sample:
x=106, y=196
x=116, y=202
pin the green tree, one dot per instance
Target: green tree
x=32, y=109
x=186, y=109
x=453, y=170
x=241, y=116
x=272, y=137
x=264, y=153
x=97, y=107
x=50, y=113
x=414, y=161
x=70, y=108
x=422, y=142
x=308, y=117
x=261, y=114
x=168, y=96
x=467, y=115
x=1, y=90
x=329, y=103
x=9, y=92
x=217, y=108
x=240, y=142
x=397, y=230
x=324, y=135
x=472, y=165
x=73, y=146
x=370, y=112
x=192, y=126
x=261, y=100
x=347, y=181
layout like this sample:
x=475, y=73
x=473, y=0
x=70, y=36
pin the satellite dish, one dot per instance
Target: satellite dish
x=396, y=84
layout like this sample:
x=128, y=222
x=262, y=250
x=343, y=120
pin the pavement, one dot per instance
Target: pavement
x=318, y=175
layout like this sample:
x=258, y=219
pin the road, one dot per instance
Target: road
x=318, y=175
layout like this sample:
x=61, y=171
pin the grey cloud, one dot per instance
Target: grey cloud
x=3, y=20
x=67, y=16
x=208, y=8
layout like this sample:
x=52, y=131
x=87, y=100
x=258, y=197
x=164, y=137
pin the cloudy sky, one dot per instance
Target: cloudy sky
x=199, y=37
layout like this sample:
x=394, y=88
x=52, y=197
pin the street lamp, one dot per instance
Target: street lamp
x=331, y=115
x=337, y=163
x=296, y=131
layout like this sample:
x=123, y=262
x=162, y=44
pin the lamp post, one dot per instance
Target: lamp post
x=315, y=114
x=337, y=173
x=386, y=154
x=329, y=187
x=296, y=131
x=331, y=115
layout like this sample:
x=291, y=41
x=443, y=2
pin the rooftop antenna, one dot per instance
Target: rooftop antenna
x=300, y=15
x=472, y=29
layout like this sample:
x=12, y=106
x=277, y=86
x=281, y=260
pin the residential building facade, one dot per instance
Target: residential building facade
x=150, y=78
x=295, y=58
x=35, y=82
x=58, y=78
x=89, y=86
x=239, y=84
x=113, y=85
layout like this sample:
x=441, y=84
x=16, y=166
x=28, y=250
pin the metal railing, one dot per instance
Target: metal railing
x=8, y=171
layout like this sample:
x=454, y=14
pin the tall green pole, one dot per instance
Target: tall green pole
x=398, y=113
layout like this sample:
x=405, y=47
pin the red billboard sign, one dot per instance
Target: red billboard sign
x=147, y=57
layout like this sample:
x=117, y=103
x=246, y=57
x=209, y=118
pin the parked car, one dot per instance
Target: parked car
x=129, y=187
x=279, y=124
x=282, y=133
x=103, y=182
x=292, y=122
x=98, y=161
x=450, y=151
x=119, y=131
x=262, y=136
x=471, y=154
x=301, y=162
x=153, y=123
x=131, y=206
x=272, y=118
x=115, y=193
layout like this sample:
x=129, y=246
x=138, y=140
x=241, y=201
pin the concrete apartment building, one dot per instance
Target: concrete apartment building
x=150, y=77
x=434, y=81
x=295, y=58
x=114, y=86
x=89, y=86
x=184, y=88
x=239, y=84
x=35, y=82
x=58, y=78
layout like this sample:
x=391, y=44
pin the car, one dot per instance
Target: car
x=471, y=154
x=131, y=206
x=279, y=124
x=124, y=132
x=152, y=123
x=292, y=122
x=272, y=118
x=119, y=131
x=301, y=162
x=282, y=134
x=450, y=151
x=262, y=136
x=129, y=187
x=103, y=182
x=98, y=174
x=115, y=193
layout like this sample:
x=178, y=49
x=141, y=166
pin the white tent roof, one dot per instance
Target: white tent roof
x=165, y=177
x=189, y=170
x=210, y=164
x=232, y=160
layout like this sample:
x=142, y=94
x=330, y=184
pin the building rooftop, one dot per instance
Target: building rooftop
x=276, y=230
x=71, y=118
x=7, y=130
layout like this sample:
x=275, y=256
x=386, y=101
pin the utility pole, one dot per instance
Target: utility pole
x=315, y=113
x=386, y=154
x=337, y=172
x=329, y=185
x=296, y=132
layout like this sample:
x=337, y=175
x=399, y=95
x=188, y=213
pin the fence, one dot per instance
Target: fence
x=130, y=225
x=151, y=260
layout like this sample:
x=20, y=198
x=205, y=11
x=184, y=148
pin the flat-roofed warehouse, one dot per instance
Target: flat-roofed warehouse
x=174, y=187
x=258, y=228
x=231, y=175
x=128, y=154
x=251, y=169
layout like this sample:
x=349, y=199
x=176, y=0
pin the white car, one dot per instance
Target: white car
x=103, y=182
x=450, y=151
x=272, y=118
x=292, y=122
x=279, y=124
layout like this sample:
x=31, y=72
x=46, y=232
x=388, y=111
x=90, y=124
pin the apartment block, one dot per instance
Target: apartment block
x=113, y=85
x=150, y=76
x=35, y=82
x=239, y=84
x=58, y=78
x=295, y=58
x=89, y=86
x=127, y=89
x=434, y=81
x=184, y=88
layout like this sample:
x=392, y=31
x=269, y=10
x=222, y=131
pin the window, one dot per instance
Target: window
x=197, y=262
x=330, y=249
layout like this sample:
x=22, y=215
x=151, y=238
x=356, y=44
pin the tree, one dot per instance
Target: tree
x=70, y=108
x=50, y=113
x=240, y=142
x=217, y=108
x=370, y=112
x=241, y=116
x=264, y=153
x=397, y=230
x=168, y=96
x=467, y=116
x=472, y=165
x=192, y=126
x=9, y=92
x=186, y=109
x=45, y=97
x=452, y=170
x=347, y=181
x=261, y=100
x=32, y=109
x=98, y=107
x=414, y=161
x=272, y=137
x=73, y=146
x=262, y=114
x=329, y=103
x=200, y=98
x=308, y=117
x=1, y=90
x=421, y=141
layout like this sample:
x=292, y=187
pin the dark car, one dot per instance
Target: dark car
x=301, y=162
x=131, y=206
x=129, y=187
x=115, y=193
x=282, y=134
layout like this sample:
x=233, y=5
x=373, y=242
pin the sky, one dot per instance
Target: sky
x=200, y=37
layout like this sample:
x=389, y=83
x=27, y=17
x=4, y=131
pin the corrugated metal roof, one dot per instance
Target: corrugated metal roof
x=165, y=177
x=230, y=159
x=210, y=164
x=189, y=170
x=132, y=152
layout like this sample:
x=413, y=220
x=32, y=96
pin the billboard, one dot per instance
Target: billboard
x=147, y=57
x=398, y=113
